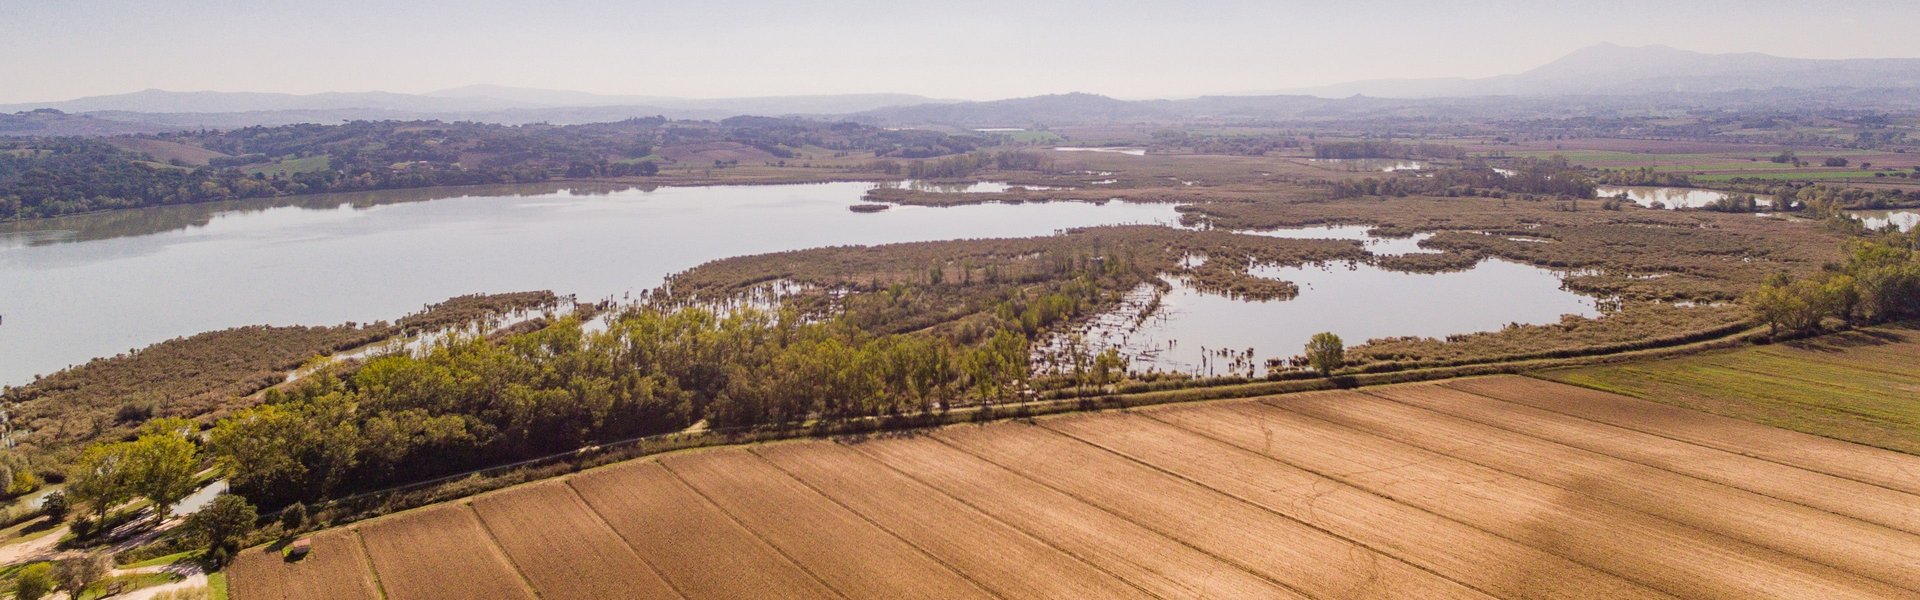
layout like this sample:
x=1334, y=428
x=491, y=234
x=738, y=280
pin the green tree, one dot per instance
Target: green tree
x=162, y=465
x=1325, y=352
x=222, y=525
x=102, y=478
x=55, y=506
x=33, y=582
x=293, y=517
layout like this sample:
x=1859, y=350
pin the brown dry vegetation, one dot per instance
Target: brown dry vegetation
x=1566, y=493
x=166, y=151
x=196, y=376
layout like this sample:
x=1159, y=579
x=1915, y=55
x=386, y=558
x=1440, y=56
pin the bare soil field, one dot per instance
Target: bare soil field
x=564, y=548
x=336, y=569
x=440, y=552
x=1499, y=487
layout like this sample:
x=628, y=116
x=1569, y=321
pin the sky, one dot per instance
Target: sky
x=957, y=49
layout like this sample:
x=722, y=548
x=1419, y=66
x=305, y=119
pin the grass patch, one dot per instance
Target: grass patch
x=163, y=560
x=310, y=164
x=1786, y=175
x=120, y=584
x=1856, y=386
x=217, y=585
x=1027, y=137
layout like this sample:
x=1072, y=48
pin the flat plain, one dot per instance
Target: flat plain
x=1494, y=487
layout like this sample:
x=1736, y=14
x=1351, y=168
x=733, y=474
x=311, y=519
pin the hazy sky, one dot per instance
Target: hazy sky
x=58, y=49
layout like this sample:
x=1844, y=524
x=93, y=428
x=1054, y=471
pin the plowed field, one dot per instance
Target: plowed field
x=1499, y=487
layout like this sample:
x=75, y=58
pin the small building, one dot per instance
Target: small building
x=299, y=549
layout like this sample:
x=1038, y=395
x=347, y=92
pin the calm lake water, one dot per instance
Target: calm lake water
x=1382, y=165
x=1126, y=151
x=1668, y=197
x=961, y=187
x=98, y=285
x=1904, y=220
x=1358, y=302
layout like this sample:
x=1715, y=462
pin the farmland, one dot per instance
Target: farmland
x=1563, y=492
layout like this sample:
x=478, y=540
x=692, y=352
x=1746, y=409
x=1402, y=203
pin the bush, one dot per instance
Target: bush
x=33, y=582
x=55, y=505
x=293, y=517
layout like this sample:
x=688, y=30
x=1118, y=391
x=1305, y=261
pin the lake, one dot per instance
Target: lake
x=97, y=285
x=962, y=187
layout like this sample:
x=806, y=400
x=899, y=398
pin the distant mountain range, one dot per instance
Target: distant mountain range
x=1604, y=77
x=1607, y=69
x=491, y=103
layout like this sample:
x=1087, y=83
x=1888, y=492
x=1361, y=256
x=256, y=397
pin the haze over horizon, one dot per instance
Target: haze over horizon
x=973, y=51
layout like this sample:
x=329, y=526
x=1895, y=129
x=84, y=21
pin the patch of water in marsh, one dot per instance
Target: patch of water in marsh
x=1903, y=220
x=1126, y=151
x=1201, y=333
x=1382, y=165
x=1384, y=246
x=1668, y=197
x=960, y=187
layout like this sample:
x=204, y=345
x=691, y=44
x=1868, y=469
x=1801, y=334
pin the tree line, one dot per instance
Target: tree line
x=1879, y=282
x=1550, y=177
x=46, y=177
x=474, y=402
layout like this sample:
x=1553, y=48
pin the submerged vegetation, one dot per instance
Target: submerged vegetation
x=201, y=376
x=475, y=402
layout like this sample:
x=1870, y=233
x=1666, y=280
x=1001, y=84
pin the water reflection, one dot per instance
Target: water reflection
x=1903, y=220
x=1383, y=246
x=1126, y=151
x=959, y=187
x=158, y=219
x=1668, y=197
x=75, y=289
x=1382, y=165
x=1209, y=334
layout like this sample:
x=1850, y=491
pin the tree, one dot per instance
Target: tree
x=158, y=466
x=222, y=526
x=74, y=574
x=1795, y=306
x=293, y=517
x=33, y=582
x=161, y=466
x=55, y=506
x=1325, y=352
x=101, y=478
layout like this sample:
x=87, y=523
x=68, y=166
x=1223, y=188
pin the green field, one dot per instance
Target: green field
x=1788, y=175
x=288, y=167
x=1026, y=137
x=1860, y=386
